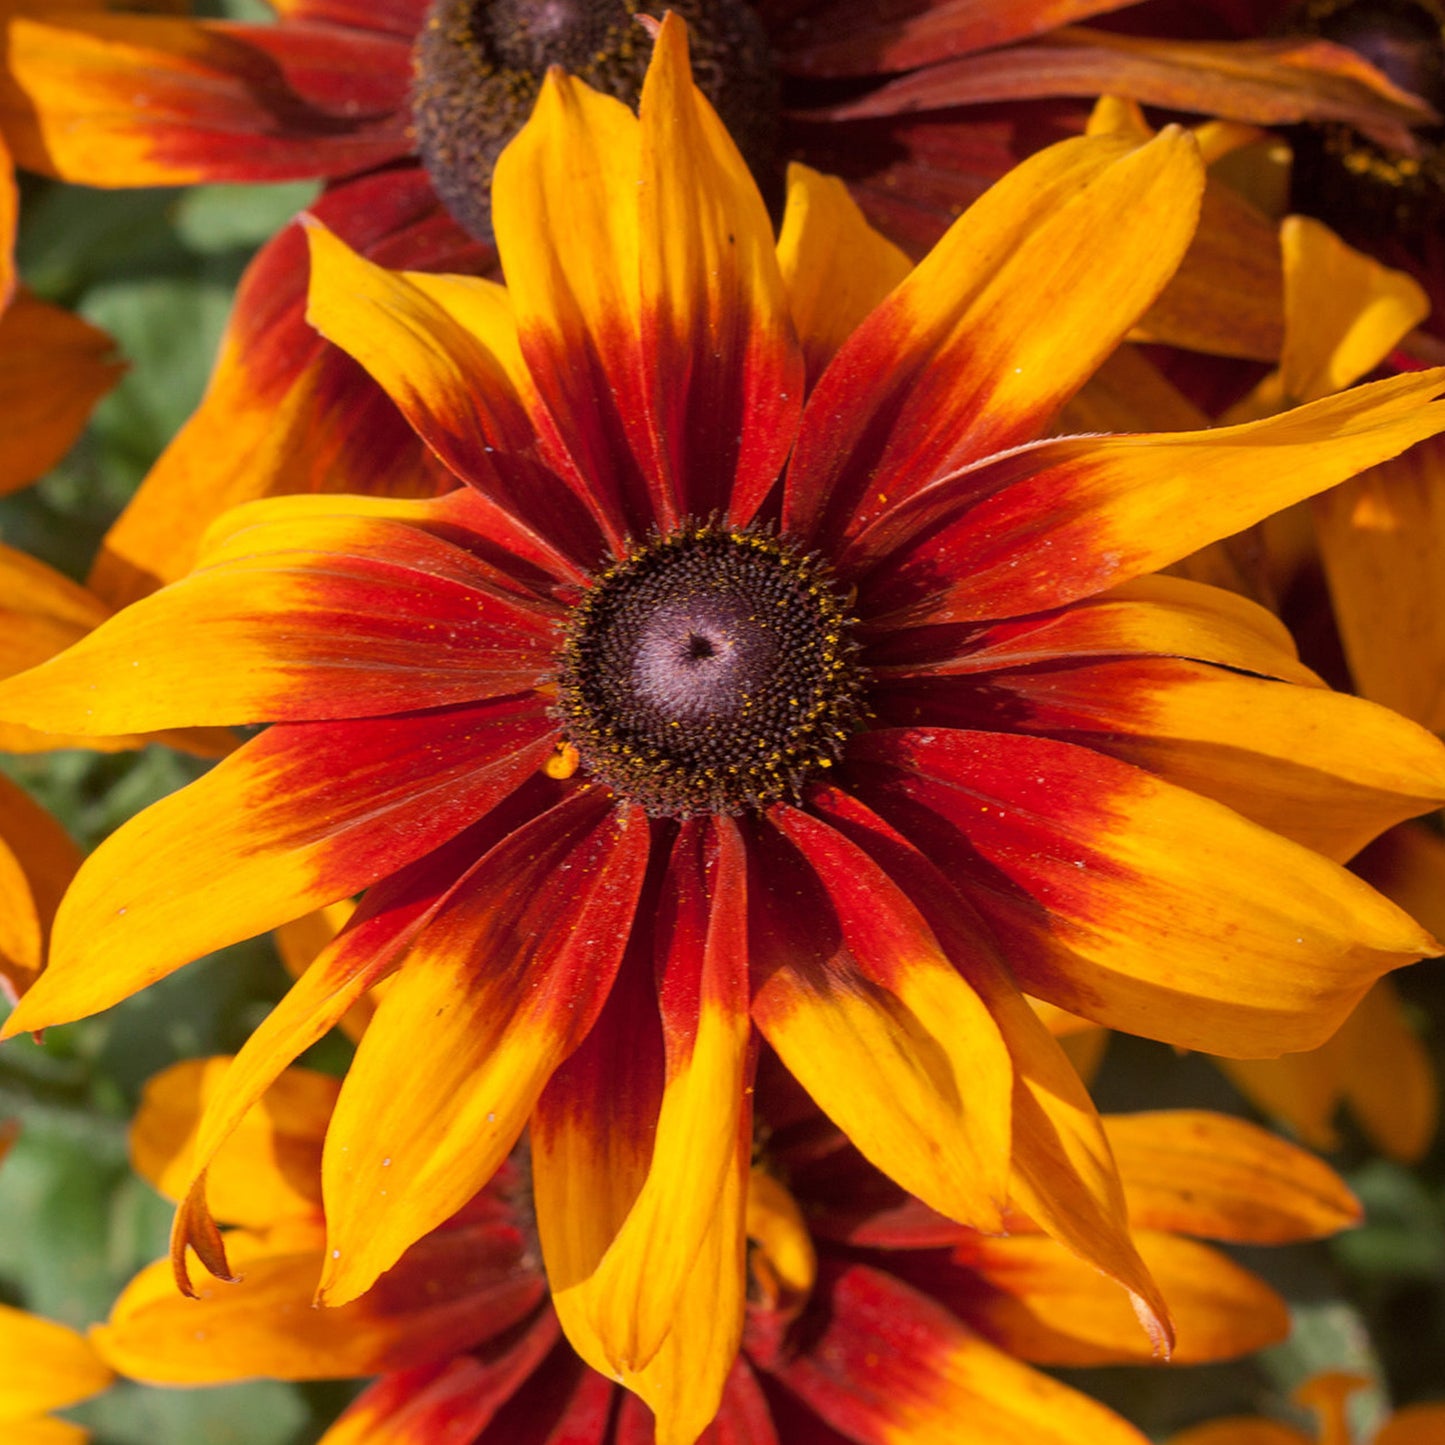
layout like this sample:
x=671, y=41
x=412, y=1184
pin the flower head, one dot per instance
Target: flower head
x=865, y=1309
x=911, y=729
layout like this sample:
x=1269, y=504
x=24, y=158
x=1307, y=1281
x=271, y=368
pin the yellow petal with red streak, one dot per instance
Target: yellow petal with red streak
x=37, y=862
x=876, y=1023
x=1327, y=769
x=500, y=986
x=996, y=328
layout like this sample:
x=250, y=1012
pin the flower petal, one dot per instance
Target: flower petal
x=37, y=862
x=723, y=363
x=503, y=983
x=305, y=618
x=221, y=102
x=380, y=930
x=1194, y=1172
x=298, y=817
x=285, y=411
x=450, y=1291
x=996, y=328
x=862, y=1005
x=1154, y=616
x=1344, y=311
x=565, y=212
x=54, y=367
x=889, y=1365
x=703, y=1132
x=836, y=267
x=60, y=1367
x=1107, y=509
x=1269, y=82
x=1329, y=770
x=1135, y=903
x=512, y=1393
x=1380, y=537
x=270, y=1169
x=444, y=348
x=1039, y=1304
x=1063, y=1173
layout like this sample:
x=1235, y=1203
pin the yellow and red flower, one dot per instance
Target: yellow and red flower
x=765, y=675
x=867, y=1312
x=389, y=105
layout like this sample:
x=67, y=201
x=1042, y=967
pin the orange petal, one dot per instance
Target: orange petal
x=296, y=818
x=502, y=984
x=143, y=101
x=868, y=1013
x=835, y=266
x=270, y=1169
x=1414, y=1425
x=996, y=328
x=59, y=1366
x=37, y=862
x=54, y=367
x=1329, y=770
x=1382, y=536
x=1241, y=1430
x=1110, y=508
x=301, y=942
x=1051, y=1308
x=1195, y=1172
x=1344, y=311
x=1390, y=1084
x=1135, y=903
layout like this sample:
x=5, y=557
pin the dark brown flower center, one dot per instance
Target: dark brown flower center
x=1347, y=179
x=478, y=65
x=709, y=671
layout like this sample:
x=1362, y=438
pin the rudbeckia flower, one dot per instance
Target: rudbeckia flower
x=766, y=676
x=1327, y=1395
x=866, y=1311
x=401, y=106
